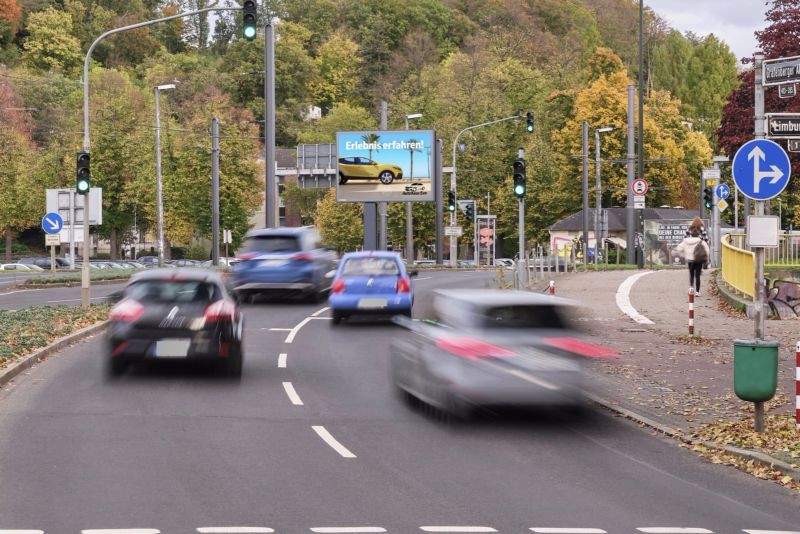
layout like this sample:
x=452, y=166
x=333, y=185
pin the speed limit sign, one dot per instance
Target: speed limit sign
x=639, y=186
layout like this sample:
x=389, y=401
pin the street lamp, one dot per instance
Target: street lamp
x=159, y=195
x=598, y=193
x=409, y=215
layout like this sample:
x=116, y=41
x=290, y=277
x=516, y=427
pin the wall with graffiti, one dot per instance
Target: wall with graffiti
x=783, y=296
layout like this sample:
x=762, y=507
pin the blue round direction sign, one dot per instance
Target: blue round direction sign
x=761, y=169
x=723, y=191
x=52, y=223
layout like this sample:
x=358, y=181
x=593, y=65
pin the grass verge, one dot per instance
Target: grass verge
x=106, y=274
x=24, y=331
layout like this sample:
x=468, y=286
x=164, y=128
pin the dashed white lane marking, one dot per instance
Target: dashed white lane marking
x=293, y=396
x=234, y=530
x=277, y=329
x=457, y=529
x=122, y=531
x=569, y=530
x=624, y=298
x=346, y=530
x=331, y=441
x=21, y=531
x=320, y=312
x=424, y=277
x=282, y=360
x=771, y=531
x=674, y=530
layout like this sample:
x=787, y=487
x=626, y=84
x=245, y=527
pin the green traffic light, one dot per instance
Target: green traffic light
x=249, y=32
x=519, y=190
x=83, y=186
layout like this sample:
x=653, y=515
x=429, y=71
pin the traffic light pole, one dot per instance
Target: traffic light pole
x=453, y=219
x=522, y=264
x=85, y=279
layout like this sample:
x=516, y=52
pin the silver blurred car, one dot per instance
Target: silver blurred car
x=493, y=348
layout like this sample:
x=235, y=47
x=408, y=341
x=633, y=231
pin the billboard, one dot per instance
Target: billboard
x=385, y=166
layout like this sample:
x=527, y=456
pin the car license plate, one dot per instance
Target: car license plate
x=368, y=304
x=173, y=348
x=273, y=263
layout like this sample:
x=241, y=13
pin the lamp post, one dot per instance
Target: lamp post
x=409, y=214
x=159, y=195
x=598, y=197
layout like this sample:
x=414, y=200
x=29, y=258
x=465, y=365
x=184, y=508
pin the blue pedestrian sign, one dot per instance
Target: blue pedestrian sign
x=52, y=223
x=723, y=191
x=761, y=169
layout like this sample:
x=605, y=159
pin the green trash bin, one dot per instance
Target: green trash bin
x=755, y=369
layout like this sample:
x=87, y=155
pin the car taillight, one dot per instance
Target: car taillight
x=338, y=286
x=301, y=256
x=127, y=310
x=220, y=310
x=244, y=256
x=403, y=286
x=471, y=348
x=581, y=348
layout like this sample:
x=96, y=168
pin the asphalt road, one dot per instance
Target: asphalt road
x=313, y=440
x=17, y=298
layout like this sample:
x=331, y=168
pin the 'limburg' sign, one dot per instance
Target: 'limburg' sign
x=781, y=70
x=783, y=124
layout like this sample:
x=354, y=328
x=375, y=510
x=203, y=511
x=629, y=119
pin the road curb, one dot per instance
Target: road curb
x=72, y=284
x=8, y=374
x=757, y=457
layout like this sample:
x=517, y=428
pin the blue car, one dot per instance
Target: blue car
x=282, y=261
x=371, y=283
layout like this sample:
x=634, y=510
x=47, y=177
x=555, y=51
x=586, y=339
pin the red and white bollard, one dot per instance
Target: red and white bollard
x=797, y=386
x=552, y=287
x=691, y=312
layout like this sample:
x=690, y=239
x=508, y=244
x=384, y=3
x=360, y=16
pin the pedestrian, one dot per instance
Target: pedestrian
x=697, y=224
x=695, y=249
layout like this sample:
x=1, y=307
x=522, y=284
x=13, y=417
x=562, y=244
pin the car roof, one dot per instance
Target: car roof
x=503, y=297
x=178, y=273
x=371, y=254
x=281, y=231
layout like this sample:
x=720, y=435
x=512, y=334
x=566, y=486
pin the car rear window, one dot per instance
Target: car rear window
x=173, y=291
x=271, y=243
x=523, y=317
x=371, y=267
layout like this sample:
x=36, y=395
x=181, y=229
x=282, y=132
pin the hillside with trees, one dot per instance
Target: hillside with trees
x=458, y=62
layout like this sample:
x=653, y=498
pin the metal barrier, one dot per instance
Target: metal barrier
x=786, y=253
x=738, y=265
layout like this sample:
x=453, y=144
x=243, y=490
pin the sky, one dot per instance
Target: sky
x=733, y=21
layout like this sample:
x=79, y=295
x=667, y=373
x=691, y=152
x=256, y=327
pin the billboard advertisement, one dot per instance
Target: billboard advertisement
x=385, y=166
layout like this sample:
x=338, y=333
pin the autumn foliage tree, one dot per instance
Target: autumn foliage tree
x=781, y=38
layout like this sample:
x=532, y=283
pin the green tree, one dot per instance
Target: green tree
x=50, y=44
x=340, y=223
x=338, y=67
x=303, y=200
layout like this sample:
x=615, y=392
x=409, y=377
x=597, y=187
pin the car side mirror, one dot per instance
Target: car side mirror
x=413, y=273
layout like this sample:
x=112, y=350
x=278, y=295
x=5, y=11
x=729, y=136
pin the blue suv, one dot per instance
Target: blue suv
x=283, y=260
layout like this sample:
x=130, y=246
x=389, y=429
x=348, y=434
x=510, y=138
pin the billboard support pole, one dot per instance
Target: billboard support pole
x=383, y=206
x=438, y=201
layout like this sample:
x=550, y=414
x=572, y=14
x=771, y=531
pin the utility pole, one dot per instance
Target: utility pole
x=598, y=197
x=214, y=191
x=585, y=160
x=271, y=196
x=439, y=202
x=159, y=184
x=383, y=206
x=630, y=229
x=640, y=257
x=409, y=214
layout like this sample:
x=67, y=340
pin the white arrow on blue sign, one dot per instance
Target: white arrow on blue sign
x=761, y=169
x=52, y=223
x=723, y=191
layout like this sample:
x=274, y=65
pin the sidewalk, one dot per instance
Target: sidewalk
x=664, y=374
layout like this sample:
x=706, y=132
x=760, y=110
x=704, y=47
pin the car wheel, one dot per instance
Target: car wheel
x=386, y=177
x=115, y=367
x=336, y=318
x=407, y=313
x=342, y=179
x=233, y=366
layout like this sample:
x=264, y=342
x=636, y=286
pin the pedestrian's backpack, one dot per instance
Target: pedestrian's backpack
x=700, y=252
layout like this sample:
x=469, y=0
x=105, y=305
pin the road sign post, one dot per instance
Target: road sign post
x=52, y=223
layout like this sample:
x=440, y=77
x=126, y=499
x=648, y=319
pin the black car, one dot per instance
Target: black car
x=44, y=262
x=183, y=314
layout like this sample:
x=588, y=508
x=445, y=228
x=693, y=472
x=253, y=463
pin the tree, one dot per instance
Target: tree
x=338, y=67
x=342, y=117
x=340, y=223
x=303, y=200
x=50, y=44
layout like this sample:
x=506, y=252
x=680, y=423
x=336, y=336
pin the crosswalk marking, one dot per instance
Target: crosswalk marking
x=121, y=531
x=457, y=529
x=21, y=531
x=674, y=530
x=569, y=530
x=234, y=530
x=346, y=530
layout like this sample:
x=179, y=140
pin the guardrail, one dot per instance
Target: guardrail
x=738, y=265
x=786, y=253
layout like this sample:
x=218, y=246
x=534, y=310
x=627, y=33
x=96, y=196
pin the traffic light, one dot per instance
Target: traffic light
x=83, y=176
x=519, y=178
x=530, y=121
x=470, y=212
x=249, y=17
x=708, y=198
x=451, y=201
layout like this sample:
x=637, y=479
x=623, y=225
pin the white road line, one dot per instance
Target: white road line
x=569, y=530
x=772, y=531
x=3, y=295
x=346, y=530
x=424, y=277
x=122, y=531
x=21, y=531
x=293, y=332
x=330, y=440
x=457, y=529
x=674, y=530
x=234, y=530
x=73, y=300
x=282, y=360
x=277, y=329
x=293, y=396
x=320, y=312
x=624, y=298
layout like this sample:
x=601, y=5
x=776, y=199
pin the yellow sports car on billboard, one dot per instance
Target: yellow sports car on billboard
x=364, y=168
